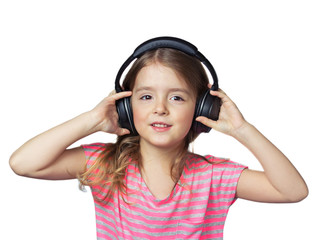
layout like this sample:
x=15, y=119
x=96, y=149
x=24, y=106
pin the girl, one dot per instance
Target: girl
x=150, y=186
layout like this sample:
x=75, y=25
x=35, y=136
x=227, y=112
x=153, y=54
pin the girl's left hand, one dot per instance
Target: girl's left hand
x=230, y=118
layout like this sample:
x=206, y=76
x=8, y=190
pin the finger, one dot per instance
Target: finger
x=218, y=94
x=222, y=91
x=206, y=121
x=209, y=85
x=219, y=90
x=221, y=94
x=117, y=96
x=111, y=93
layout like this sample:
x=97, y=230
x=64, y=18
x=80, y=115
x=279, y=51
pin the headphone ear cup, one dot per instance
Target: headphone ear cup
x=207, y=106
x=125, y=114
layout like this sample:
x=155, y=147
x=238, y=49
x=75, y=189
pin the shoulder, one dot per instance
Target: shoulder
x=224, y=163
x=210, y=160
x=220, y=166
x=94, y=150
x=93, y=147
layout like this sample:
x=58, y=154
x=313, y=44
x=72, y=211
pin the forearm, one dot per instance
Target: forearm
x=278, y=169
x=42, y=150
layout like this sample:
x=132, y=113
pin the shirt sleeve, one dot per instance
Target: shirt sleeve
x=92, y=152
x=226, y=174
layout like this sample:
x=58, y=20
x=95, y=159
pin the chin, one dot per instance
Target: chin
x=165, y=142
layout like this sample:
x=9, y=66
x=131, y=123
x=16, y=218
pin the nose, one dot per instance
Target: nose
x=160, y=108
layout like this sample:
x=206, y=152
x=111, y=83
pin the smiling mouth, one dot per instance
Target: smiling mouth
x=160, y=127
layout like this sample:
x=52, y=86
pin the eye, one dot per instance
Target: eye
x=146, y=97
x=177, y=98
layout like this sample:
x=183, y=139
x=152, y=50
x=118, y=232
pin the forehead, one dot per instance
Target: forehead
x=158, y=76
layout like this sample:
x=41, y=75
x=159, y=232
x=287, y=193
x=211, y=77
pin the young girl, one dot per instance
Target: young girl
x=150, y=186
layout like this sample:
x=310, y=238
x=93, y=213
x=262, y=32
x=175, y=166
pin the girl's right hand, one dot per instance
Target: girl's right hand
x=106, y=115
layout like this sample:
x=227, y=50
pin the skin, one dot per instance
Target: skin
x=46, y=156
x=279, y=181
x=171, y=104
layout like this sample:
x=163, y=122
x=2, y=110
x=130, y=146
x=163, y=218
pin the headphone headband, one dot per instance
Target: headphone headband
x=167, y=42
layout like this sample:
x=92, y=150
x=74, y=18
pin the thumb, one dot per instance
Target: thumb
x=122, y=131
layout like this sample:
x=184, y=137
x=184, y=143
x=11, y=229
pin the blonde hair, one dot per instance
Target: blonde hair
x=110, y=168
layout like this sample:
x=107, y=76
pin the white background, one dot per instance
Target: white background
x=59, y=59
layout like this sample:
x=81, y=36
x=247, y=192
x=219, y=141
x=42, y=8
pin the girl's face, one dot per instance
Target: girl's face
x=163, y=106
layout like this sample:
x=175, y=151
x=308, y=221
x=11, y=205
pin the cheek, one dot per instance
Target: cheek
x=186, y=116
x=138, y=116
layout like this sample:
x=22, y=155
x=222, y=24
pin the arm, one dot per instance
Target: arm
x=45, y=156
x=280, y=181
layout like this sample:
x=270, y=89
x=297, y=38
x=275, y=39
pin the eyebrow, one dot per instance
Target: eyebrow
x=146, y=88
x=143, y=88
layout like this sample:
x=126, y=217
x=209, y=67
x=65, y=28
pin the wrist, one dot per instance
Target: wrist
x=243, y=132
x=92, y=120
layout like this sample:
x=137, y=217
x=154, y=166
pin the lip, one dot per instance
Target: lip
x=160, y=126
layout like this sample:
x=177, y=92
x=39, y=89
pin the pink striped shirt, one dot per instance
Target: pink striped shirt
x=196, y=208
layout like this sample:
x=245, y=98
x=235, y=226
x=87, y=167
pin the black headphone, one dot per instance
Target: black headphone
x=207, y=105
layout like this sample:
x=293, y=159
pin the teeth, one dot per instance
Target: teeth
x=160, y=125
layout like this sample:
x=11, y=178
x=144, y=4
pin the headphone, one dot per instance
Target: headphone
x=207, y=105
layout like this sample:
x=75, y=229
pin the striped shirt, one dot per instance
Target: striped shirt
x=196, y=208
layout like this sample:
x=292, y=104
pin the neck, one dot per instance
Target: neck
x=160, y=158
